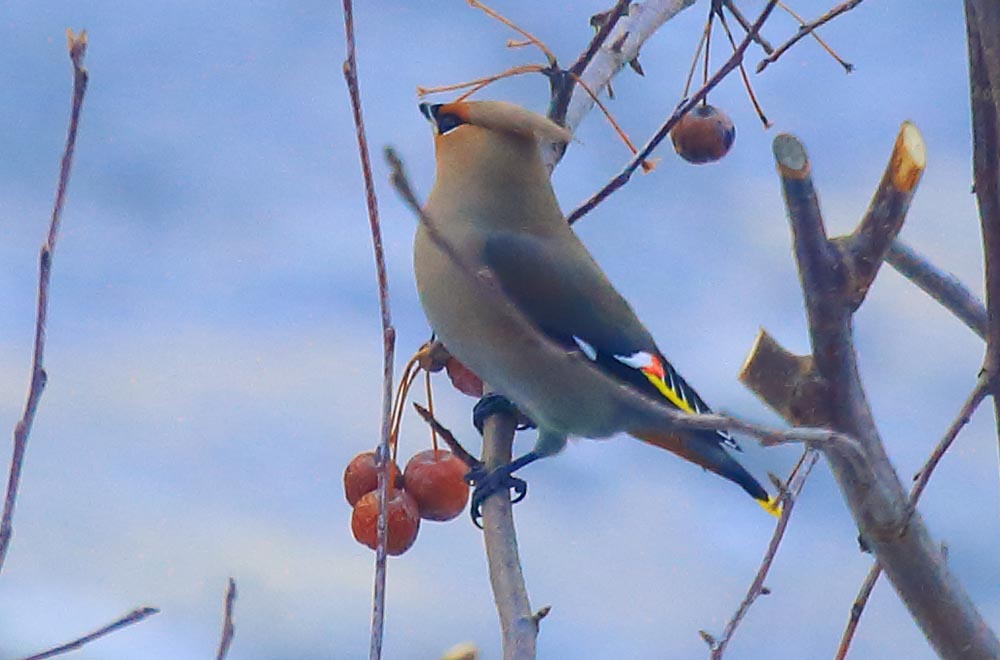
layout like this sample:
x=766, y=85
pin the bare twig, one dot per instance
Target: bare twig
x=449, y=438
x=920, y=483
x=516, y=28
x=622, y=178
x=941, y=286
x=22, y=430
x=889, y=527
x=135, y=616
x=796, y=481
x=805, y=29
x=228, y=629
x=745, y=24
x=388, y=338
x=848, y=67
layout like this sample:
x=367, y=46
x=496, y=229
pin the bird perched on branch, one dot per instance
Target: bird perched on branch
x=499, y=252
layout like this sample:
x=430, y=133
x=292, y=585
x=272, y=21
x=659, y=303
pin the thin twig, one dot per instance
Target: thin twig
x=228, y=629
x=805, y=29
x=516, y=28
x=743, y=73
x=135, y=616
x=975, y=398
x=796, y=481
x=388, y=338
x=745, y=24
x=449, y=438
x=647, y=165
x=622, y=178
x=22, y=430
x=479, y=83
x=848, y=67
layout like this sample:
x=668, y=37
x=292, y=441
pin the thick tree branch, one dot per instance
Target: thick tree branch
x=22, y=430
x=920, y=483
x=788, y=383
x=982, y=19
x=889, y=527
x=872, y=239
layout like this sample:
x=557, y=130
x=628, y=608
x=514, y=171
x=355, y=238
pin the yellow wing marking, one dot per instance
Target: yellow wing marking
x=672, y=395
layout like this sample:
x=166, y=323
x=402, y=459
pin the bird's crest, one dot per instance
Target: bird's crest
x=495, y=116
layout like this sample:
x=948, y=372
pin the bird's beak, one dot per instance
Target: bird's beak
x=429, y=110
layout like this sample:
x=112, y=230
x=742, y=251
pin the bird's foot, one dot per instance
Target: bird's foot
x=497, y=404
x=488, y=483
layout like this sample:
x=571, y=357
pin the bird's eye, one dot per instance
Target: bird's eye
x=448, y=122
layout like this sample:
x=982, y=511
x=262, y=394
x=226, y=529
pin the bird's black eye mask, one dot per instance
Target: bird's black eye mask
x=444, y=122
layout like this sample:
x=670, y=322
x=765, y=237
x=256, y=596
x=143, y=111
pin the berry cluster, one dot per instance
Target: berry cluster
x=432, y=487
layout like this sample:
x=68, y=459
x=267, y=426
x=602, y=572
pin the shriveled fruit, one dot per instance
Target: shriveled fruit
x=403, y=521
x=361, y=476
x=703, y=135
x=436, y=480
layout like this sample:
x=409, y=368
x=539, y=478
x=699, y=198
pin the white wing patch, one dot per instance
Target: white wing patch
x=587, y=349
x=663, y=376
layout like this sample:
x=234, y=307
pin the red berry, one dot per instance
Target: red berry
x=436, y=479
x=361, y=476
x=463, y=379
x=703, y=135
x=403, y=521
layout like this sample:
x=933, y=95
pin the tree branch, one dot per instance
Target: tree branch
x=796, y=481
x=889, y=527
x=623, y=177
x=873, y=237
x=228, y=629
x=920, y=482
x=22, y=430
x=510, y=594
x=388, y=338
x=805, y=30
x=939, y=285
x=983, y=26
x=135, y=616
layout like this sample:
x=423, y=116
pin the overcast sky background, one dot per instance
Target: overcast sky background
x=214, y=350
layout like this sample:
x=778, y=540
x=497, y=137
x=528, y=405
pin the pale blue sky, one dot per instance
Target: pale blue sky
x=214, y=354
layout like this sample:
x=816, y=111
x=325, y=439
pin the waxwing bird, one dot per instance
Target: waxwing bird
x=492, y=204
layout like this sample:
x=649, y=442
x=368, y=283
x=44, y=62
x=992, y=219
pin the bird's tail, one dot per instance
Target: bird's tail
x=704, y=448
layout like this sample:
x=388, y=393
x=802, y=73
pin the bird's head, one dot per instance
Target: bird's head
x=488, y=136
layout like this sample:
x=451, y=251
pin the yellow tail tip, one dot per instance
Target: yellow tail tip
x=772, y=505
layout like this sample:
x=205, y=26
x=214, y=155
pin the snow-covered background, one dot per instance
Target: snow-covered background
x=214, y=350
